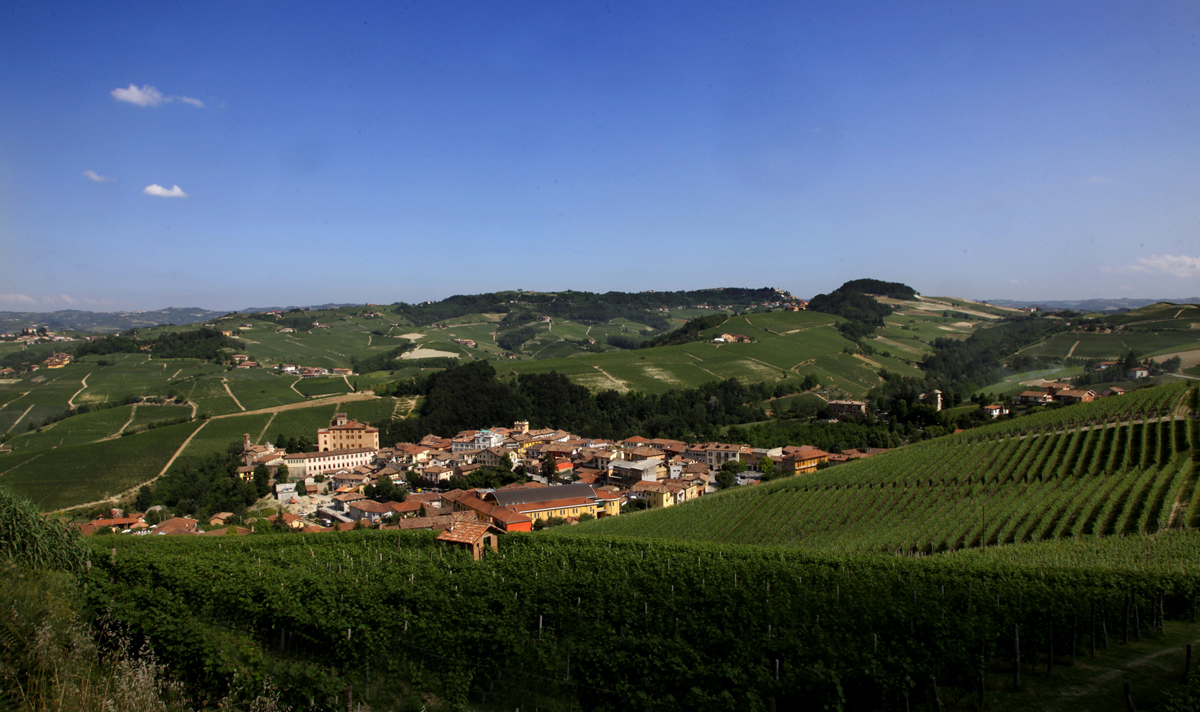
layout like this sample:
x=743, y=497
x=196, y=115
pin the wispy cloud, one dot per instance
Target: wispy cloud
x=146, y=96
x=16, y=299
x=1174, y=265
x=156, y=189
x=93, y=175
x=149, y=96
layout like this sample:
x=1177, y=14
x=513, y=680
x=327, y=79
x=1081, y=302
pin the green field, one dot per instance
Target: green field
x=76, y=430
x=1114, y=345
x=76, y=474
x=1013, y=384
x=323, y=386
x=787, y=345
x=219, y=433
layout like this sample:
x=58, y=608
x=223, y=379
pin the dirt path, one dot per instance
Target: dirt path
x=235, y=400
x=132, y=412
x=293, y=386
x=1072, y=349
x=344, y=398
x=4, y=472
x=263, y=434
x=173, y=375
x=410, y=403
x=347, y=380
x=132, y=490
x=10, y=428
x=619, y=385
x=83, y=385
x=1106, y=680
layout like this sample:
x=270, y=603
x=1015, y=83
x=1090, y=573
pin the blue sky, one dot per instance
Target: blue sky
x=229, y=155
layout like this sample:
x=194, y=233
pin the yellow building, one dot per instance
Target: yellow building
x=659, y=496
x=804, y=458
x=344, y=434
x=564, y=501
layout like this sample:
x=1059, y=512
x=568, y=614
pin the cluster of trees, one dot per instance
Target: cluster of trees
x=689, y=332
x=956, y=367
x=586, y=307
x=979, y=360
x=862, y=313
x=471, y=396
x=830, y=437
x=203, y=343
x=207, y=485
x=513, y=339
x=1118, y=372
x=387, y=361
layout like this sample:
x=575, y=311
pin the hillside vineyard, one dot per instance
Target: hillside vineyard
x=1111, y=467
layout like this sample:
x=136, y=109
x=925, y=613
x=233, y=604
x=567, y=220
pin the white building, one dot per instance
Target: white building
x=308, y=464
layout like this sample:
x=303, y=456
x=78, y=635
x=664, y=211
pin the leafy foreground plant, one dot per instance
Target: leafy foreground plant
x=51, y=656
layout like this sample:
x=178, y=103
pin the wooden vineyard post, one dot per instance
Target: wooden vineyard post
x=1129, y=700
x=1187, y=666
x=1093, y=636
x=1104, y=623
x=937, y=699
x=348, y=696
x=1074, y=635
x=1049, y=644
x=1017, y=656
x=1125, y=634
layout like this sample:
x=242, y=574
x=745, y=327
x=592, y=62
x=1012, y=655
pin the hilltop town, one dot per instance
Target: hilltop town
x=349, y=481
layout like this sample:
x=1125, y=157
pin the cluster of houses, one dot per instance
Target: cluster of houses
x=573, y=478
x=1059, y=393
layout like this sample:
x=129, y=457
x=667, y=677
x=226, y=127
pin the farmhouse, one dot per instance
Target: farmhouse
x=848, y=408
x=475, y=537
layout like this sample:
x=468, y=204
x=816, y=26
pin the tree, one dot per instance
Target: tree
x=767, y=468
x=281, y=475
x=145, y=498
x=548, y=466
x=262, y=479
x=727, y=475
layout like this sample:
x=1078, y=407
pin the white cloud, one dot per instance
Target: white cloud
x=1174, y=265
x=156, y=189
x=93, y=175
x=146, y=96
x=16, y=299
x=149, y=96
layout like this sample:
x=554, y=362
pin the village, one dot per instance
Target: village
x=348, y=481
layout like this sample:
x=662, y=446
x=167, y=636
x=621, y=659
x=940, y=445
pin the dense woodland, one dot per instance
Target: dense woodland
x=863, y=314
x=471, y=396
x=202, y=343
x=585, y=307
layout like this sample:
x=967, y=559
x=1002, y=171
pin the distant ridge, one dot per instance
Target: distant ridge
x=1088, y=305
x=79, y=320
